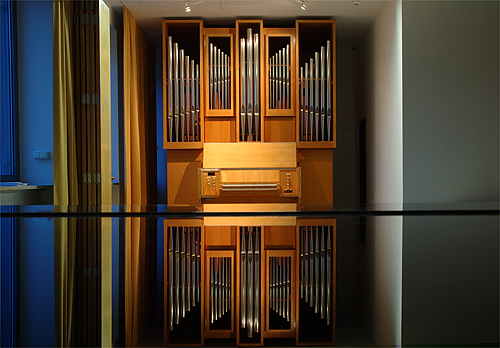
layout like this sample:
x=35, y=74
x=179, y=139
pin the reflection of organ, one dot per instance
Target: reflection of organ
x=276, y=280
x=250, y=279
x=315, y=268
x=183, y=272
x=279, y=286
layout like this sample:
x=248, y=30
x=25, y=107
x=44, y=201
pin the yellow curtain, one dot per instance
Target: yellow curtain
x=65, y=177
x=137, y=64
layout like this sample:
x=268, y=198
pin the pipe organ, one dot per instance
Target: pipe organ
x=249, y=119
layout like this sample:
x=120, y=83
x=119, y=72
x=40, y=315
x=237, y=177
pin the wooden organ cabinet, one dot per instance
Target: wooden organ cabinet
x=249, y=125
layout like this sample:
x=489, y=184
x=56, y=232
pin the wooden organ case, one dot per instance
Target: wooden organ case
x=249, y=123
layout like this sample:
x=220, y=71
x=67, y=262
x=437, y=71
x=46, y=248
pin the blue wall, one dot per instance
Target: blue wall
x=34, y=53
x=36, y=284
x=161, y=175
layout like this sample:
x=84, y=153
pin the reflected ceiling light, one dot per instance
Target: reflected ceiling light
x=303, y=5
x=187, y=7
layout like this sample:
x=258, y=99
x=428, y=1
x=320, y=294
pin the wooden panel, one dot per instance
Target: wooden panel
x=220, y=130
x=105, y=163
x=279, y=237
x=249, y=176
x=250, y=220
x=183, y=222
x=317, y=176
x=182, y=176
x=250, y=155
x=220, y=236
x=280, y=129
x=284, y=207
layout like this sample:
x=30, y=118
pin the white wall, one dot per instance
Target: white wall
x=379, y=100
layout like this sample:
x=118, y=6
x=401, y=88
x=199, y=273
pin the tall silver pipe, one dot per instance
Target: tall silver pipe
x=243, y=107
x=276, y=82
x=317, y=93
x=283, y=287
x=193, y=105
x=280, y=80
x=224, y=81
x=306, y=101
x=181, y=93
x=218, y=278
x=171, y=278
x=183, y=274
x=198, y=119
x=287, y=65
x=188, y=97
x=212, y=288
x=328, y=92
x=311, y=96
x=230, y=284
x=243, y=279
x=287, y=297
x=198, y=266
x=316, y=270
x=176, y=93
x=250, y=285
x=275, y=283
x=170, y=110
x=306, y=263
x=250, y=83
x=322, y=267
x=193, y=266
x=188, y=269
x=211, y=76
x=301, y=122
x=322, y=94
x=271, y=106
x=311, y=266
x=301, y=266
x=177, y=272
x=257, y=281
x=328, y=273
x=256, y=84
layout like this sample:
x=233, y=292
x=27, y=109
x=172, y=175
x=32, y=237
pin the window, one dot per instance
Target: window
x=8, y=122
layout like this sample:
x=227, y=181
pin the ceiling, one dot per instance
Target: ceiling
x=352, y=20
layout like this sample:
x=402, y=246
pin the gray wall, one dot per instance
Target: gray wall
x=451, y=154
x=451, y=101
x=450, y=280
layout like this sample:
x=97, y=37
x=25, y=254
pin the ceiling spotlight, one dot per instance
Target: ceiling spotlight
x=187, y=7
x=303, y=5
